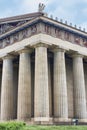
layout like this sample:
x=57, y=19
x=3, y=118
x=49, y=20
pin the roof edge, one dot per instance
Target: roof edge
x=20, y=17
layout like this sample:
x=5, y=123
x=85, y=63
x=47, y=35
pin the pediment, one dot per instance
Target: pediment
x=8, y=24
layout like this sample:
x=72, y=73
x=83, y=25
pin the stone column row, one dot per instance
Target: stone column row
x=60, y=87
x=9, y=95
x=41, y=90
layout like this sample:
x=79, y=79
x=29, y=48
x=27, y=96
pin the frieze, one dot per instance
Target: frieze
x=7, y=27
x=58, y=33
x=33, y=29
x=37, y=28
x=24, y=34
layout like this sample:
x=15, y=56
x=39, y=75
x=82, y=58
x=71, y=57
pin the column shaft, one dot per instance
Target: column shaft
x=7, y=105
x=24, y=86
x=60, y=86
x=41, y=84
x=79, y=87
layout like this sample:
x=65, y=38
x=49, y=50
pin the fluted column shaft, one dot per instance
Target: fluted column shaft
x=60, y=86
x=41, y=84
x=7, y=105
x=79, y=87
x=24, y=86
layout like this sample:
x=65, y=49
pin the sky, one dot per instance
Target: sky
x=74, y=11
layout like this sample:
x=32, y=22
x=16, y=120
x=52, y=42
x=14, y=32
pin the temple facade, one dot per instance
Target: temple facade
x=43, y=70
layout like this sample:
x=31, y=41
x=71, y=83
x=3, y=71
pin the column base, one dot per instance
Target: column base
x=24, y=120
x=50, y=121
x=43, y=120
x=62, y=121
x=82, y=121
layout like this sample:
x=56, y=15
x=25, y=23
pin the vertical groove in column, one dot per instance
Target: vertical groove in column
x=60, y=86
x=7, y=108
x=79, y=87
x=41, y=83
x=24, y=86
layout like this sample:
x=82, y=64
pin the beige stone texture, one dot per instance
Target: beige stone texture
x=7, y=100
x=35, y=98
x=24, y=86
x=44, y=38
x=60, y=85
x=41, y=100
x=79, y=87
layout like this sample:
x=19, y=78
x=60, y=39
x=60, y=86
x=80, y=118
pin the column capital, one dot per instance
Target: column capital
x=24, y=50
x=58, y=49
x=75, y=54
x=41, y=45
x=8, y=56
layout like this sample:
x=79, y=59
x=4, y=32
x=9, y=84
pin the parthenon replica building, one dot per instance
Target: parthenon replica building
x=43, y=70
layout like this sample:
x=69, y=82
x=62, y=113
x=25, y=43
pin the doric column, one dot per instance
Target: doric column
x=24, y=86
x=41, y=84
x=7, y=105
x=60, y=86
x=79, y=87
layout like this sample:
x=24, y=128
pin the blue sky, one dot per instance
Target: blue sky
x=74, y=11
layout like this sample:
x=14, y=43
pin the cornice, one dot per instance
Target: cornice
x=20, y=17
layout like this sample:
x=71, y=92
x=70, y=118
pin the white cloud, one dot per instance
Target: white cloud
x=31, y=6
